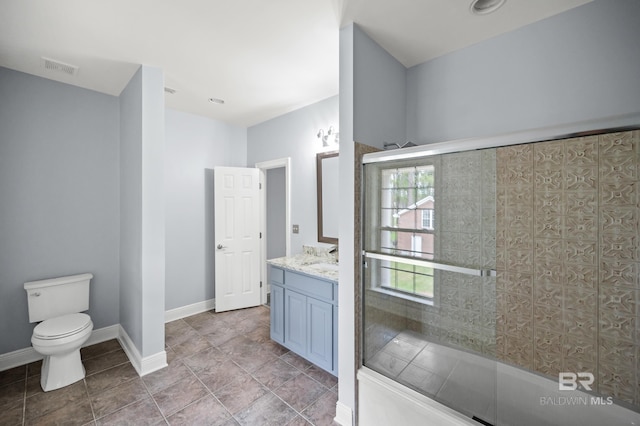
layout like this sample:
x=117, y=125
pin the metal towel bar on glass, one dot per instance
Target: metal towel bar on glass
x=430, y=264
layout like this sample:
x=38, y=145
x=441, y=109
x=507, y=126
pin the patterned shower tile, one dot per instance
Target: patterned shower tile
x=581, y=323
x=549, y=317
x=548, y=227
x=616, y=325
x=581, y=203
x=621, y=246
x=548, y=293
x=616, y=381
x=519, y=325
x=618, y=194
x=548, y=341
x=519, y=350
x=581, y=178
x=621, y=220
x=619, y=144
x=585, y=276
x=617, y=352
x=581, y=251
x=618, y=169
x=548, y=249
x=549, y=155
x=582, y=151
x=519, y=261
x=615, y=272
x=549, y=203
x=549, y=364
x=549, y=272
x=519, y=283
x=623, y=300
x=581, y=228
x=515, y=154
x=548, y=179
x=579, y=351
x=576, y=298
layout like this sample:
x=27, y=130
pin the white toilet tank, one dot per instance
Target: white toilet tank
x=57, y=296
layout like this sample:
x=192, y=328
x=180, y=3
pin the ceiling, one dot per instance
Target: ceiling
x=264, y=58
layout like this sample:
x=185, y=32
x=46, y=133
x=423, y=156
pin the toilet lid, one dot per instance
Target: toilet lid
x=62, y=326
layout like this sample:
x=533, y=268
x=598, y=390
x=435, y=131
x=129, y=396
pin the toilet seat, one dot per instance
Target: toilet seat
x=62, y=326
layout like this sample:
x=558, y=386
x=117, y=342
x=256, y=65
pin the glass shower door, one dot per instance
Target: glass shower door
x=429, y=292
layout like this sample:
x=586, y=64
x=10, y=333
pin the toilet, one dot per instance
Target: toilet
x=57, y=304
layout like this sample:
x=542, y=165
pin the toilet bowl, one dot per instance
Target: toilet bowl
x=57, y=304
x=59, y=339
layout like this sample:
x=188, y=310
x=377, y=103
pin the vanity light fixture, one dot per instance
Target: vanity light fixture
x=484, y=7
x=216, y=101
x=328, y=135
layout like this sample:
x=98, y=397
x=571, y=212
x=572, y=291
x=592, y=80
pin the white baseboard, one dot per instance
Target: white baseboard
x=145, y=365
x=29, y=355
x=103, y=334
x=142, y=365
x=344, y=414
x=186, y=311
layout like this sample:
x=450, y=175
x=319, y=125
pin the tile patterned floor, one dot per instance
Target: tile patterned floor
x=223, y=370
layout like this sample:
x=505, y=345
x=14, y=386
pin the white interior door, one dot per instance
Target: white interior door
x=237, y=237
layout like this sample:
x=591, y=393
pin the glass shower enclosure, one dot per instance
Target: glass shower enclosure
x=503, y=282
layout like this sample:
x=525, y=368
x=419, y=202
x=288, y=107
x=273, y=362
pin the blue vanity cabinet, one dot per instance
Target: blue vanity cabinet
x=320, y=333
x=277, y=313
x=276, y=278
x=304, y=313
x=295, y=321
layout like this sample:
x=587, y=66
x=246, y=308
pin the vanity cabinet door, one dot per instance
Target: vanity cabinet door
x=295, y=321
x=277, y=313
x=320, y=333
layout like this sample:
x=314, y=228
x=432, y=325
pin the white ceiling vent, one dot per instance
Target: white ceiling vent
x=57, y=66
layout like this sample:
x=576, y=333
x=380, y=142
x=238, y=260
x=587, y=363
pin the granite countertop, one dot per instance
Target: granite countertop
x=319, y=266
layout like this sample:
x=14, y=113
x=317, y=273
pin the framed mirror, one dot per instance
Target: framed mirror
x=327, y=195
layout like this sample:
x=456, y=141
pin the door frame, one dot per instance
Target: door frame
x=263, y=166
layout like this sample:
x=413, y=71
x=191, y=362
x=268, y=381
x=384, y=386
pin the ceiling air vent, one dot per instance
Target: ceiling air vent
x=57, y=66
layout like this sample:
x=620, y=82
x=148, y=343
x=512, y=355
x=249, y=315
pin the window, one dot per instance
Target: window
x=427, y=219
x=407, y=227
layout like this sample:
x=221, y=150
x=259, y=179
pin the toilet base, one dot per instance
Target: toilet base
x=62, y=370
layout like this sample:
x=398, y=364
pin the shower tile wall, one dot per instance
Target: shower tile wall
x=568, y=257
x=463, y=312
x=465, y=236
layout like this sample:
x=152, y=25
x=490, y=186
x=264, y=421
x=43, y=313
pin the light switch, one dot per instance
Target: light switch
x=296, y=229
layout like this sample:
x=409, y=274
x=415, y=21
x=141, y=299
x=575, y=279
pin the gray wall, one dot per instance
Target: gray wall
x=194, y=146
x=294, y=135
x=142, y=234
x=372, y=112
x=59, y=196
x=581, y=64
x=276, y=212
x=379, y=100
x=153, y=211
x=131, y=209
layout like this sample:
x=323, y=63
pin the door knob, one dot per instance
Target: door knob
x=220, y=247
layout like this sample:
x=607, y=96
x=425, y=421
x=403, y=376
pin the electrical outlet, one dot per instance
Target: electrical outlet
x=296, y=229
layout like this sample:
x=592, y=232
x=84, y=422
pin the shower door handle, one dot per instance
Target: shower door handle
x=430, y=264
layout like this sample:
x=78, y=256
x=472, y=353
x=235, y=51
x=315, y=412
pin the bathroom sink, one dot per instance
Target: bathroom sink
x=325, y=266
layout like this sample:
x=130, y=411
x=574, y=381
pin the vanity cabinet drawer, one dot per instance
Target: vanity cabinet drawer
x=310, y=286
x=276, y=275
